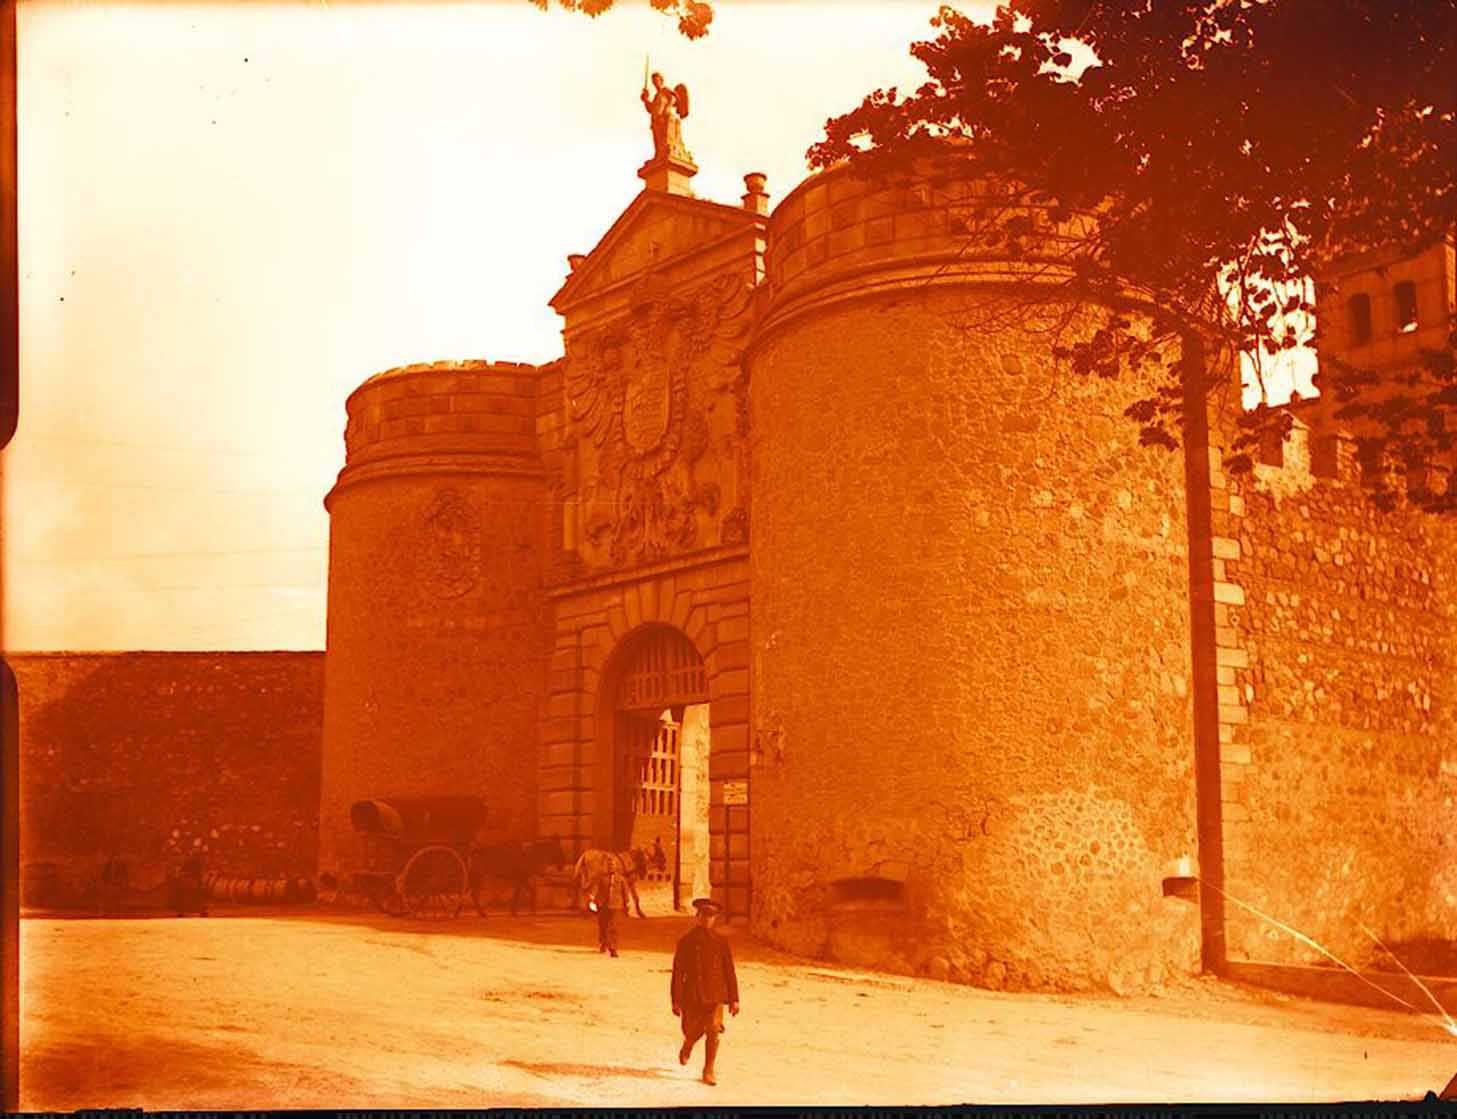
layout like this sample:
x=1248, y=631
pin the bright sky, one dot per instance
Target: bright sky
x=232, y=215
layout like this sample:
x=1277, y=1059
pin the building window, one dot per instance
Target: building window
x=1406, y=306
x=1358, y=315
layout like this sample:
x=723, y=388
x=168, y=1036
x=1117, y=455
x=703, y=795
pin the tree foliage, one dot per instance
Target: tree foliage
x=1227, y=151
x=694, y=16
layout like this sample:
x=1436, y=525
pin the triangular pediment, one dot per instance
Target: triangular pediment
x=655, y=230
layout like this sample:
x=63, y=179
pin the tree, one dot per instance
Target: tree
x=1222, y=153
x=694, y=16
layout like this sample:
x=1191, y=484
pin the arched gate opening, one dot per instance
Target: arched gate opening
x=659, y=761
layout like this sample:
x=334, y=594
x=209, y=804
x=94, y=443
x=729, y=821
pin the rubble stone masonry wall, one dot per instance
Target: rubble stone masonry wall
x=971, y=670
x=1337, y=634
x=155, y=755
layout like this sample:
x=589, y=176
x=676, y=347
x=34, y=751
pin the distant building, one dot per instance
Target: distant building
x=982, y=679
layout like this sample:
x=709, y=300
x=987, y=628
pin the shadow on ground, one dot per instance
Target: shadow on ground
x=156, y=1071
x=139, y=1070
x=550, y=1069
x=568, y=932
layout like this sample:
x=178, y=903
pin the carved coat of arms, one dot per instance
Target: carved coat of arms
x=450, y=544
x=629, y=400
x=647, y=401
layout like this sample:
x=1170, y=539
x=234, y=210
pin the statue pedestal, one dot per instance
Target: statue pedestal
x=668, y=173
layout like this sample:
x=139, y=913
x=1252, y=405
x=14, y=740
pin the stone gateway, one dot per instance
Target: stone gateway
x=808, y=564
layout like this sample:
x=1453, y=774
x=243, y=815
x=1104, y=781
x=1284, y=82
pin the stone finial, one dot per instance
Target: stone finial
x=574, y=260
x=757, y=199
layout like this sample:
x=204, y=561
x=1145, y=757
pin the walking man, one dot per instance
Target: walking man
x=610, y=887
x=703, y=983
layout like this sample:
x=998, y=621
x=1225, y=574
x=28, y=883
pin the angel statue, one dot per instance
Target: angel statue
x=667, y=108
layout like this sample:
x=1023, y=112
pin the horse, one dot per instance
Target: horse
x=633, y=863
x=515, y=861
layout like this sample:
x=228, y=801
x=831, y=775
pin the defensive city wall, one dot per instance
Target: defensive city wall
x=988, y=685
x=155, y=756
x=1337, y=704
x=992, y=692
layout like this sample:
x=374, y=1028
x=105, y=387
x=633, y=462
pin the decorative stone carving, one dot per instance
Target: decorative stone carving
x=643, y=400
x=736, y=526
x=667, y=108
x=450, y=539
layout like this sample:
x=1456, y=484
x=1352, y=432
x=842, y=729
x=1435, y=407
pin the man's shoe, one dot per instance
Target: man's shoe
x=614, y=952
x=684, y=1052
x=708, y=1077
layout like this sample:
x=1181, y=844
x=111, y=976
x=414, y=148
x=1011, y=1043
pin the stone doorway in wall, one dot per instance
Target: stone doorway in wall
x=660, y=764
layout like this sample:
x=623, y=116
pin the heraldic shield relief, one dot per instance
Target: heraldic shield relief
x=450, y=553
x=657, y=407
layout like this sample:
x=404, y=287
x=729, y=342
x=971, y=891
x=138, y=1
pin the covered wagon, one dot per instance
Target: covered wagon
x=417, y=852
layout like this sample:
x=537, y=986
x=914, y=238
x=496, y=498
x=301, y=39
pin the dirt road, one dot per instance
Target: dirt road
x=291, y=1010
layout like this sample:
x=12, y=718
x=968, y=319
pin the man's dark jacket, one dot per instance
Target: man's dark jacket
x=703, y=969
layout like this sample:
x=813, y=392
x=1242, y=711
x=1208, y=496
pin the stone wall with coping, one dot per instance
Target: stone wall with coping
x=1337, y=634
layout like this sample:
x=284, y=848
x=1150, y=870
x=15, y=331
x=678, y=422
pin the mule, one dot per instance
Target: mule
x=515, y=861
x=633, y=863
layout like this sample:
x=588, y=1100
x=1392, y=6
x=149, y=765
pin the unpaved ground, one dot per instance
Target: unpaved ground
x=295, y=1010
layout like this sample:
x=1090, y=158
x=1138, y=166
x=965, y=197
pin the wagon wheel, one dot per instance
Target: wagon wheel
x=383, y=894
x=433, y=883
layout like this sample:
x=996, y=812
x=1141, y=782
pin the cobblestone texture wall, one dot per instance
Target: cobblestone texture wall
x=971, y=655
x=1338, y=686
x=437, y=641
x=159, y=754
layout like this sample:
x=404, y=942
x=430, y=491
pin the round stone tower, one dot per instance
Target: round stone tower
x=435, y=662
x=969, y=606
